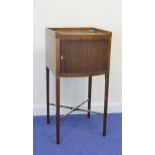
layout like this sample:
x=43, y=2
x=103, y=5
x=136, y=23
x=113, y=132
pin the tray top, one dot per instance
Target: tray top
x=79, y=31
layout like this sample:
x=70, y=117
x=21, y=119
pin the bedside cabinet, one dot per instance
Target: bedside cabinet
x=77, y=52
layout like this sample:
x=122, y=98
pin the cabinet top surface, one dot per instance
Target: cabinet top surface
x=80, y=31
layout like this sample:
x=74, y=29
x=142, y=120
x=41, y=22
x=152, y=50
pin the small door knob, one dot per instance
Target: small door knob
x=61, y=57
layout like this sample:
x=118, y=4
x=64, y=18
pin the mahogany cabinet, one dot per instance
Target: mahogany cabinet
x=77, y=52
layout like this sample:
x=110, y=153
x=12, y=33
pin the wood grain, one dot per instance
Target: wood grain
x=77, y=52
x=88, y=33
x=83, y=57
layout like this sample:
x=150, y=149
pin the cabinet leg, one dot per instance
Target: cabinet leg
x=58, y=110
x=89, y=94
x=105, y=103
x=47, y=95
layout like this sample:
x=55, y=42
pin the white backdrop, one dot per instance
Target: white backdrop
x=77, y=13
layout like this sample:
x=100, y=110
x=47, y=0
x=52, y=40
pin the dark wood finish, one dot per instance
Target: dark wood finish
x=89, y=94
x=106, y=88
x=83, y=74
x=105, y=103
x=47, y=95
x=77, y=52
x=57, y=91
x=79, y=33
x=83, y=51
x=108, y=55
x=83, y=57
x=58, y=110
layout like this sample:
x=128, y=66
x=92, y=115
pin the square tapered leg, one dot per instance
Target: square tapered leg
x=89, y=94
x=105, y=103
x=47, y=95
x=58, y=110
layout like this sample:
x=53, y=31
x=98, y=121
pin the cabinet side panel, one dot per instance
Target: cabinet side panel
x=51, y=52
x=109, y=53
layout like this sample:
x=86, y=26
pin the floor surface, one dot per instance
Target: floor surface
x=79, y=136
